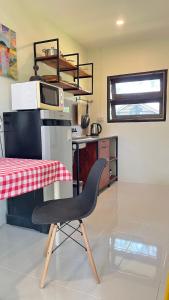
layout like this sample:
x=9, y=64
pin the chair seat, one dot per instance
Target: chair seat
x=59, y=211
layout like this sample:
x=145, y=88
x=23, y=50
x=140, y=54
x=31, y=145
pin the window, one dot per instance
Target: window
x=137, y=97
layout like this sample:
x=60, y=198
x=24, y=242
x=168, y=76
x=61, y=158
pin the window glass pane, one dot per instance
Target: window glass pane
x=143, y=86
x=138, y=109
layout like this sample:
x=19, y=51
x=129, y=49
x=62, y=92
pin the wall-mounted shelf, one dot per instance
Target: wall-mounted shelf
x=65, y=85
x=62, y=63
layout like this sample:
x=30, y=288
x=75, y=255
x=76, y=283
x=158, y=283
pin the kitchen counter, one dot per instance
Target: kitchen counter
x=90, y=139
x=92, y=148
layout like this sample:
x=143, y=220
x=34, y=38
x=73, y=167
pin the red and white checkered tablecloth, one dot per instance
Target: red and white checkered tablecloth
x=19, y=176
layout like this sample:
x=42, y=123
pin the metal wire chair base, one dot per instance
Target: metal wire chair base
x=60, y=228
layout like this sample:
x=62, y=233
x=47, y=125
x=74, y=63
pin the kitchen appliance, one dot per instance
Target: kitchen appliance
x=36, y=94
x=85, y=119
x=50, y=51
x=96, y=129
x=37, y=134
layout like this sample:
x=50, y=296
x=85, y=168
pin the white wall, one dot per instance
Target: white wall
x=30, y=26
x=143, y=147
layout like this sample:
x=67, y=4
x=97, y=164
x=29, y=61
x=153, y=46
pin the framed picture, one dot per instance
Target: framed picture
x=8, y=57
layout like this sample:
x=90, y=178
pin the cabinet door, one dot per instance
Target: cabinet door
x=104, y=152
x=87, y=157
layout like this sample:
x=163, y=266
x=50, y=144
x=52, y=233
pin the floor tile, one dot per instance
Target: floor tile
x=24, y=287
x=124, y=287
x=128, y=232
x=14, y=238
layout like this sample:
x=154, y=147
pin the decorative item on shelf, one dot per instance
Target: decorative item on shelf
x=36, y=68
x=50, y=51
x=36, y=77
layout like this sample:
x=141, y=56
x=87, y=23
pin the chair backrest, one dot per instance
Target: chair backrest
x=91, y=189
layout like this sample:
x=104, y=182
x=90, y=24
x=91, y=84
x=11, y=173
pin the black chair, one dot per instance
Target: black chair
x=66, y=210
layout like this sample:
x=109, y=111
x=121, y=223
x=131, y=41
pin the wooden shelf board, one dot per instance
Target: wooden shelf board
x=81, y=92
x=64, y=65
x=66, y=86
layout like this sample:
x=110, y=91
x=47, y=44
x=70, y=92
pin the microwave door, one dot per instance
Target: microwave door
x=49, y=95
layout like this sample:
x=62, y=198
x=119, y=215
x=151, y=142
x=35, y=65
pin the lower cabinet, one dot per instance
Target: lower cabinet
x=103, y=148
x=104, y=152
x=87, y=157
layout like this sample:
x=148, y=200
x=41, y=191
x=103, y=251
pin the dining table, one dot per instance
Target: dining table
x=19, y=176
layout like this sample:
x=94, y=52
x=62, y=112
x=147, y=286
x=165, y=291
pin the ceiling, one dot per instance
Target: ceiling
x=93, y=22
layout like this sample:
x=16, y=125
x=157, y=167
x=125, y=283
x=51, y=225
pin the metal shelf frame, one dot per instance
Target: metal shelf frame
x=55, y=61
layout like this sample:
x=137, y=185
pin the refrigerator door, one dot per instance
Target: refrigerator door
x=57, y=145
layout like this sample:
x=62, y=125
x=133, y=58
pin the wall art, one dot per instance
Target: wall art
x=8, y=57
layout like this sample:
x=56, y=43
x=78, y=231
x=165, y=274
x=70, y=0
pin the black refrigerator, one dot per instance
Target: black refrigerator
x=37, y=134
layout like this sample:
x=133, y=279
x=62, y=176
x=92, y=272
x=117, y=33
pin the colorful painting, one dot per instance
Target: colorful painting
x=8, y=58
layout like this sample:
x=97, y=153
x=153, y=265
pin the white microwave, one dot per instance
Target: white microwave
x=36, y=95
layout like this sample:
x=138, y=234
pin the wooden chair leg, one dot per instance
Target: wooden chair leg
x=89, y=252
x=48, y=257
x=48, y=239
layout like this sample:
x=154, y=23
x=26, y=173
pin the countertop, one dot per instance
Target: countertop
x=90, y=139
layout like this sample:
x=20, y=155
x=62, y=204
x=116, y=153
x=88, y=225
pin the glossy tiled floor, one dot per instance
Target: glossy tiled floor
x=129, y=234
